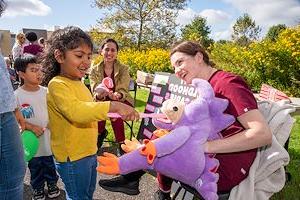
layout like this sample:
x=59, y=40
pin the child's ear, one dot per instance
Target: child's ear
x=21, y=74
x=58, y=56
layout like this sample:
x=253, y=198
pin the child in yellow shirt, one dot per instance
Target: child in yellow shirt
x=73, y=115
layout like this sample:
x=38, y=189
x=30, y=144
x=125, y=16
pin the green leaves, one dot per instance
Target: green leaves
x=245, y=30
x=144, y=22
x=197, y=30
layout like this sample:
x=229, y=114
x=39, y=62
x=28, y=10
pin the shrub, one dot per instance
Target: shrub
x=275, y=63
x=151, y=60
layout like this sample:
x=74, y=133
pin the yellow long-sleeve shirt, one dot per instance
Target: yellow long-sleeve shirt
x=73, y=119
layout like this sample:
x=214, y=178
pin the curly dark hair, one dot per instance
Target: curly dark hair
x=65, y=39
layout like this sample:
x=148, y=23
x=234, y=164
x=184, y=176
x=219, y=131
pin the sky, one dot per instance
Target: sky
x=220, y=14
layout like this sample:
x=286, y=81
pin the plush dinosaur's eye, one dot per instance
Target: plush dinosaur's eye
x=175, y=108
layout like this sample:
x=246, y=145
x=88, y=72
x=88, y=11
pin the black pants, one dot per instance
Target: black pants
x=42, y=169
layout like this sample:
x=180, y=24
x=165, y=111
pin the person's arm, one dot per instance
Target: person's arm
x=15, y=52
x=123, y=85
x=20, y=118
x=94, y=77
x=34, y=128
x=256, y=134
x=79, y=111
x=127, y=112
x=74, y=109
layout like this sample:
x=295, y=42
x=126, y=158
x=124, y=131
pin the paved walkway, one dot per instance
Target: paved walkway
x=147, y=187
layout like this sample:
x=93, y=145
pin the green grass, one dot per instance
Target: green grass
x=291, y=189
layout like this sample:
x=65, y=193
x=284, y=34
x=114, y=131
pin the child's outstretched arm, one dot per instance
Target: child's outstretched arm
x=61, y=97
x=127, y=112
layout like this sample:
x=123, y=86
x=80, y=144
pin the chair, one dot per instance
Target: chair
x=269, y=93
x=133, y=88
x=189, y=189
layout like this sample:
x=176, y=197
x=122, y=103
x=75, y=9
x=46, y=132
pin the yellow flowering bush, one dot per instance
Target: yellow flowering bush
x=275, y=63
x=151, y=60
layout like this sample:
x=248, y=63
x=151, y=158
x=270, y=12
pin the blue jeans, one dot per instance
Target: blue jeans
x=79, y=177
x=12, y=163
x=42, y=169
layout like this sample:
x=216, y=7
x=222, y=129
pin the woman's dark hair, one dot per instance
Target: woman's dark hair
x=31, y=36
x=107, y=40
x=65, y=39
x=191, y=48
x=2, y=7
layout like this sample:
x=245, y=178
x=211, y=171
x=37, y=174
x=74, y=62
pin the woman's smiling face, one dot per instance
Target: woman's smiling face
x=109, y=52
x=186, y=67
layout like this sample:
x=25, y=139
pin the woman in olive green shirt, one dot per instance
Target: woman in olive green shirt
x=111, y=67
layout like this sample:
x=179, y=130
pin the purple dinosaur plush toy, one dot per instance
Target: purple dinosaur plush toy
x=180, y=154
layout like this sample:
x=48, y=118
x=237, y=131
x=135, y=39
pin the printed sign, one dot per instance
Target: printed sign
x=164, y=86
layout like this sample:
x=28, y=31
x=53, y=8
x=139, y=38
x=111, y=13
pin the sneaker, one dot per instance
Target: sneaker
x=121, y=184
x=160, y=195
x=53, y=191
x=38, y=194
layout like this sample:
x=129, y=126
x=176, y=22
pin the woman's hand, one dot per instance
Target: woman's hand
x=128, y=113
x=101, y=96
x=116, y=96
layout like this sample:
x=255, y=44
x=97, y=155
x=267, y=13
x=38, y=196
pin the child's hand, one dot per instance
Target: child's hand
x=127, y=112
x=36, y=129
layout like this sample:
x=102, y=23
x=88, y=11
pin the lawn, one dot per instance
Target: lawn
x=291, y=189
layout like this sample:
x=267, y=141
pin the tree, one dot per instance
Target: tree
x=274, y=31
x=142, y=21
x=245, y=30
x=197, y=30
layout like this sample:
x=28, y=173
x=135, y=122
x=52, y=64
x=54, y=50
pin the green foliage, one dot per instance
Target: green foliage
x=150, y=60
x=245, y=30
x=118, y=35
x=197, y=30
x=144, y=22
x=274, y=31
x=275, y=63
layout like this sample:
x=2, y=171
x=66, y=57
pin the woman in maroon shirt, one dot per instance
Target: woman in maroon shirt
x=236, y=151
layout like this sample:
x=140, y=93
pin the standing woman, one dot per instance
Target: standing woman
x=12, y=164
x=17, y=50
x=111, y=67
